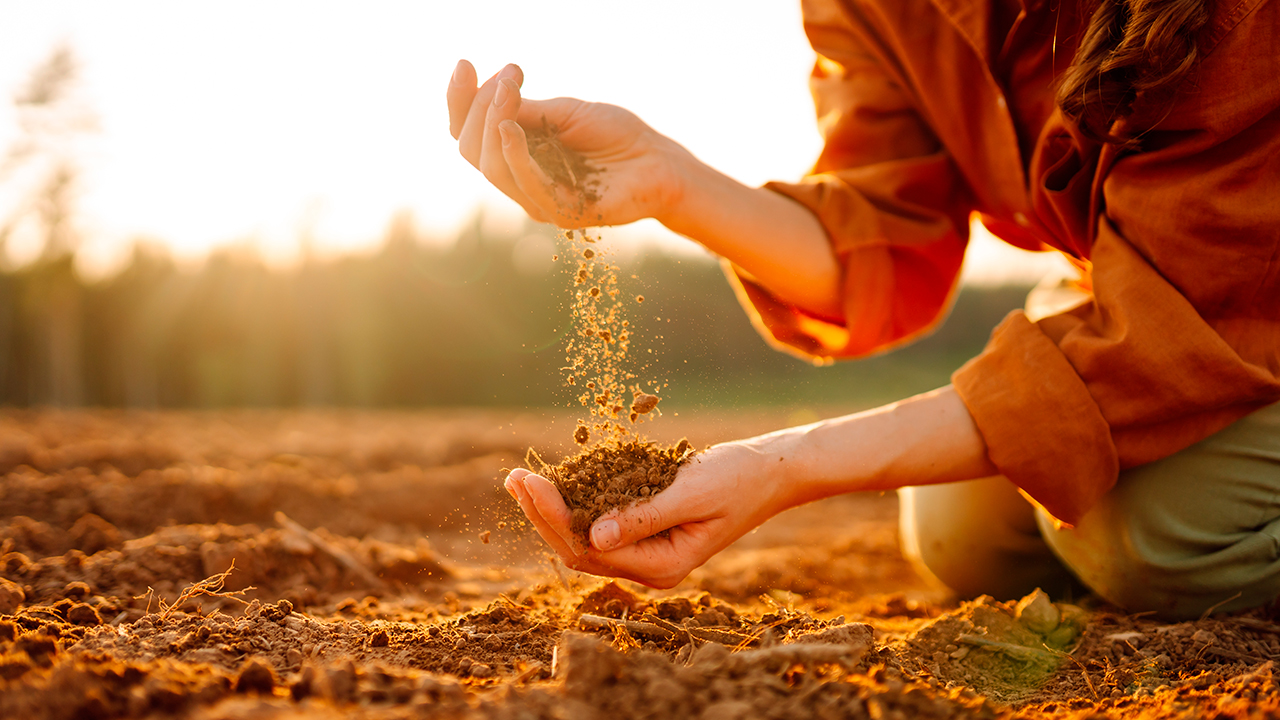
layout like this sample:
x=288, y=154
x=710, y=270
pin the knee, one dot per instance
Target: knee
x=1197, y=530
x=1144, y=565
x=977, y=538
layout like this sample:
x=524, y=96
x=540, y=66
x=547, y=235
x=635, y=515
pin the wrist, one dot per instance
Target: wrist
x=787, y=463
x=812, y=471
x=679, y=178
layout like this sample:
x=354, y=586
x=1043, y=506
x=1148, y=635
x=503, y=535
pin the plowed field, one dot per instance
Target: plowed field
x=368, y=565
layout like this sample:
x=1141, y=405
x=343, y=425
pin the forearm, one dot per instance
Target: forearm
x=923, y=440
x=778, y=241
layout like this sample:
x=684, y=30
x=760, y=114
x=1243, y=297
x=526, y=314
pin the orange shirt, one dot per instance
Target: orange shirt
x=929, y=115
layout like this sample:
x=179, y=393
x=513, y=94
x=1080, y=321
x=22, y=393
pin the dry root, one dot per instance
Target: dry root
x=211, y=586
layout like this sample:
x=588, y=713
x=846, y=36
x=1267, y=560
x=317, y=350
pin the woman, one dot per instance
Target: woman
x=1131, y=433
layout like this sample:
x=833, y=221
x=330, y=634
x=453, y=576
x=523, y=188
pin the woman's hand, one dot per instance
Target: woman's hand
x=639, y=174
x=636, y=168
x=716, y=498
x=731, y=488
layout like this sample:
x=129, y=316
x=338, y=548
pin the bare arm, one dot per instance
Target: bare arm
x=778, y=241
x=642, y=174
x=923, y=440
x=735, y=486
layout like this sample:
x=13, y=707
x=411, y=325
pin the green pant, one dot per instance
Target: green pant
x=1196, y=530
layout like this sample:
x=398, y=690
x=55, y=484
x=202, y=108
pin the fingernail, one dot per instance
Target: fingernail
x=606, y=535
x=500, y=97
x=505, y=132
x=457, y=73
x=509, y=484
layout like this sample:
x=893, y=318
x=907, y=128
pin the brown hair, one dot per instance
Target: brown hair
x=1129, y=47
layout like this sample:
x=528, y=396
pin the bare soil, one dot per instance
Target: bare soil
x=363, y=588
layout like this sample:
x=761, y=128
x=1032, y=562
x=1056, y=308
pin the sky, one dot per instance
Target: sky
x=274, y=125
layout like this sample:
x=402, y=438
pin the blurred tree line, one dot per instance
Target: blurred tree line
x=477, y=322
x=480, y=321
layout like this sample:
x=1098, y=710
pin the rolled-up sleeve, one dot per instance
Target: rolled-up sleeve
x=889, y=197
x=1182, y=335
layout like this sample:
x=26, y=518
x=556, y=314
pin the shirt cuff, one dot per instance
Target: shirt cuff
x=1042, y=427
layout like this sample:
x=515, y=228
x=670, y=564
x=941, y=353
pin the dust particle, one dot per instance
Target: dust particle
x=484, y=537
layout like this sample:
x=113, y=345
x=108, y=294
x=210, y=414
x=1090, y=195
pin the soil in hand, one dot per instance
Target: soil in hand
x=616, y=466
x=612, y=475
x=567, y=168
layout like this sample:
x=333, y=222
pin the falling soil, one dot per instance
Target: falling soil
x=624, y=468
x=617, y=466
x=361, y=590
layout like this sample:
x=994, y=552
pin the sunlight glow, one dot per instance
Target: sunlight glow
x=289, y=125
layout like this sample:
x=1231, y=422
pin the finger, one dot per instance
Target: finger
x=629, y=525
x=540, y=523
x=462, y=90
x=550, y=505
x=514, y=477
x=664, y=561
x=566, y=550
x=471, y=136
x=529, y=179
x=493, y=162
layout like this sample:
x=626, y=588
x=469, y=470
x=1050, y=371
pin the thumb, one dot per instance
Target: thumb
x=619, y=528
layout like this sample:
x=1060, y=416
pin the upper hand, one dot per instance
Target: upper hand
x=716, y=498
x=638, y=168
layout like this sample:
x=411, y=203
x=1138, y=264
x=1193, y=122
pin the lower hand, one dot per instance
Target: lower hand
x=716, y=498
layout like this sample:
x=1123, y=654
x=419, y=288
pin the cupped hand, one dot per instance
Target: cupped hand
x=716, y=498
x=637, y=174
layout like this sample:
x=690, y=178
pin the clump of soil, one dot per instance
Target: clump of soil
x=614, y=475
x=566, y=167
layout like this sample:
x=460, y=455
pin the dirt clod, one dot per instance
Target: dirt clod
x=255, y=677
x=11, y=596
x=614, y=475
x=643, y=403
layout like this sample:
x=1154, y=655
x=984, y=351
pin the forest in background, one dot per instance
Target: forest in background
x=416, y=324
x=479, y=321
